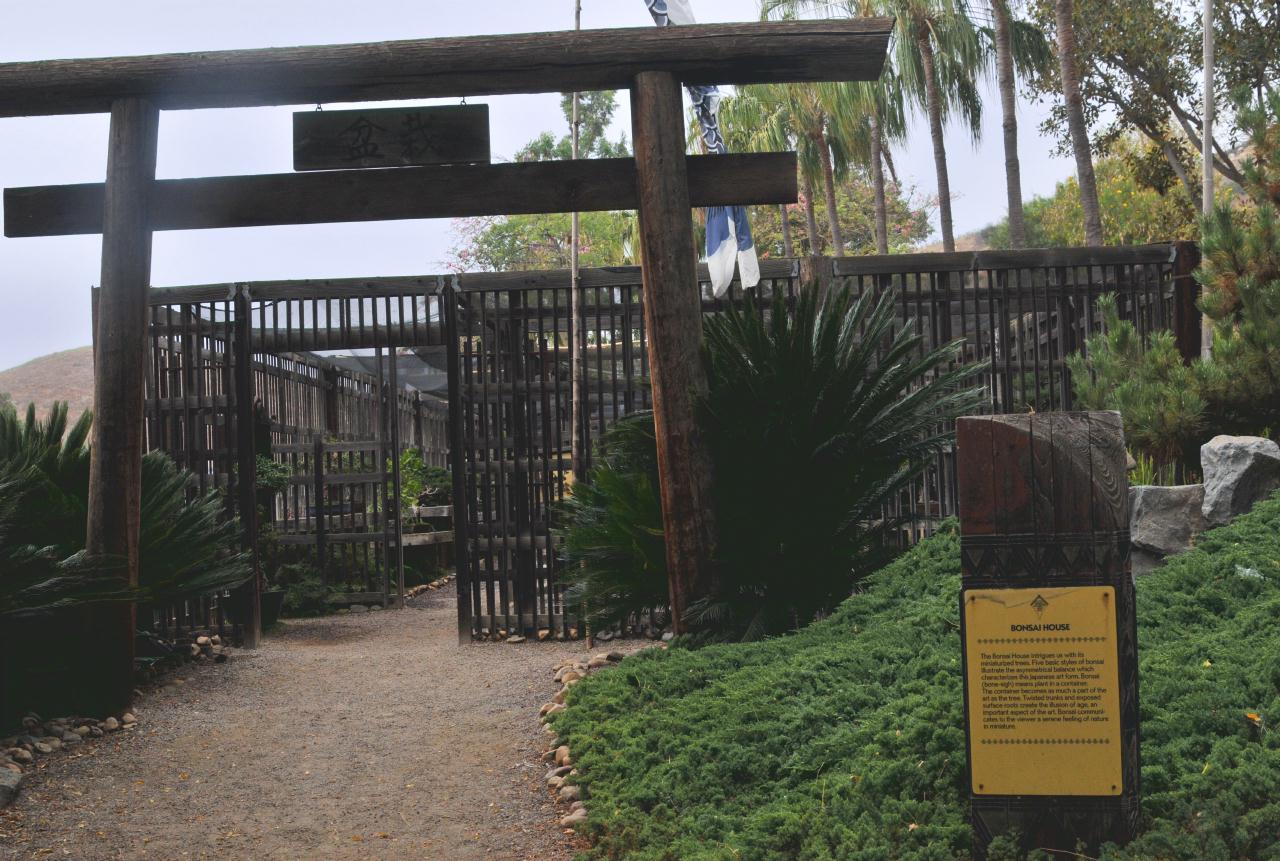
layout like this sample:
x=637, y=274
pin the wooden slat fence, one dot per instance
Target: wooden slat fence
x=1023, y=312
x=192, y=412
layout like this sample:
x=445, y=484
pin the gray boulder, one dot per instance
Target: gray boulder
x=1239, y=471
x=10, y=784
x=1165, y=520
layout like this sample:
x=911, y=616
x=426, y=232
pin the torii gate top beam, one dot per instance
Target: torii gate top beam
x=776, y=52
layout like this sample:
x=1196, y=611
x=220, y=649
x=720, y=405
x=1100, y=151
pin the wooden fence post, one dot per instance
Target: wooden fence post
x=246, y=464
x=419, y=430
x=673, y=320
x=525, y=557
x=120, y=368
x=450, y=298
x=1187, y=320
x=1049, y=631
x=320, y=519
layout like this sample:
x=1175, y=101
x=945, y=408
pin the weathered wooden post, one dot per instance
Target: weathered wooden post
x=449, y=299
x=246, y=464
x=673, y=319
x=1049, y=632
x=321, y=515
x=1187, y=320
x=120, y=368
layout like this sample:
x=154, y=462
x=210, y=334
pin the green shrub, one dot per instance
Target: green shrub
x=615, y=555
x=816, y=416
x=846, y=740
x=421, y=484
x=1169, y=408
x=1158, y=395
x=305, y=592
x=186, y=546
x=272, y=475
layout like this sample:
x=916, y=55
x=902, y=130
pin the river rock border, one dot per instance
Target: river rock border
x=40, y=739
x=559, y=778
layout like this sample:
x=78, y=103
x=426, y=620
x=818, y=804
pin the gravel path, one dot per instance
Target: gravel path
x=371, y=736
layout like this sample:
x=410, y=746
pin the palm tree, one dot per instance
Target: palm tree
x=1002, y=22
x=1064, y=11
x=870, y=115
x=1019, y=49
x=938, y=54
x=762, y=118
x=808, y=106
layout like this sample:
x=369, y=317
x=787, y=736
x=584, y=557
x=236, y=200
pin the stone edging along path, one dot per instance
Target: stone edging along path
x=368, y=737
x=559, y=778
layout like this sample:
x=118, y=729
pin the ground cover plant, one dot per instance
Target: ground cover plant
x=846, y=741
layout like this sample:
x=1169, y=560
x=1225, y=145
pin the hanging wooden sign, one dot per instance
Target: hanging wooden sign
x=391, y=137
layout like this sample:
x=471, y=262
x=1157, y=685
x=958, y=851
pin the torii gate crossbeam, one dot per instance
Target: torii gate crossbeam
x=651, y=62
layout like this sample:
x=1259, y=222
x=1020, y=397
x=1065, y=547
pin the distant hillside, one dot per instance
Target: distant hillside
x=965, y=242
x=65, y=376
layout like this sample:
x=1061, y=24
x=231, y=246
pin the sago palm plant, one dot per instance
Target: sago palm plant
x=186, y=546
x=615, y=556
x=817, y=416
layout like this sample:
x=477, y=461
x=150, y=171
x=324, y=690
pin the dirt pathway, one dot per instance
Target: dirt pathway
x=372, y=736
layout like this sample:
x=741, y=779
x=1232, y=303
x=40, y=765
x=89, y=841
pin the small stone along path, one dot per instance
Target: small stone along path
x=368, y=736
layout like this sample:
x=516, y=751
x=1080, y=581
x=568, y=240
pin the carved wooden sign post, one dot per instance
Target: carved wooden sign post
x=1048, y=630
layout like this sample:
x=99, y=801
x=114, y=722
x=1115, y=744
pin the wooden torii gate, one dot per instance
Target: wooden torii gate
x=661, y=182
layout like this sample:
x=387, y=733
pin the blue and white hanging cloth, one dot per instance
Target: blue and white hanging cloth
x=728, y=232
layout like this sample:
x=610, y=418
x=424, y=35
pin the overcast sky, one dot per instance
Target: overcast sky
x=44, y=283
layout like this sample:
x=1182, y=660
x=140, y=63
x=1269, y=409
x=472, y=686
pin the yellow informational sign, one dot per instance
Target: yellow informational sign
x=1042, y=671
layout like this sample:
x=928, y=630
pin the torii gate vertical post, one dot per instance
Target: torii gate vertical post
x=120, y=366
x=651, y=61
x=673, y=319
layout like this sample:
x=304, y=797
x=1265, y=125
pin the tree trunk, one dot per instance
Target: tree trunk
x=877, y=183
x=811, y=217
x=1076, y=124
x=788, y=248
x=829, y=183
x=887, y=155
x=933, y=106
x=1008, y=108
x=1179, y=170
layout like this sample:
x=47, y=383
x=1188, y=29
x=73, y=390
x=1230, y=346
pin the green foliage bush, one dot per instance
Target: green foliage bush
x=1158, y=395
x=186, y=546
x=1139, y=205
x=305, y=592
x=846, y=740
x=614, y=543
x=1168, y=407
x=815, y=417
x=420, y=483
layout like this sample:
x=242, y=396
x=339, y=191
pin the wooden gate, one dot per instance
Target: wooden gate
x=337, y=505
x=511, y=395
x=233, y=380
x=1022, y=312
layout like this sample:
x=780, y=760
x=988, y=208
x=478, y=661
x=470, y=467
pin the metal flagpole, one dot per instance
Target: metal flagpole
x=1206, y=150
x=578, y=346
